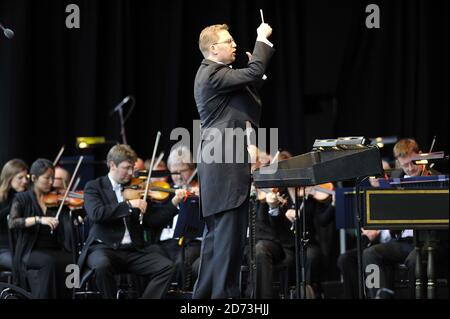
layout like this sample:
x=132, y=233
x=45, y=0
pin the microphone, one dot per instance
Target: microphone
x=7, y=32
x=119, y=106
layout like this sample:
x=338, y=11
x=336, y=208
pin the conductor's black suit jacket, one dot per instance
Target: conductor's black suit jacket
x=227, y=98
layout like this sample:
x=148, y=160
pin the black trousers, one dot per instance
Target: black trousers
x=385, y=256
x=348, y=265
x=186, y=272
x=270, y=254
x=5, y=259
x=46, y=273
x=149, y=262
x=222, y=253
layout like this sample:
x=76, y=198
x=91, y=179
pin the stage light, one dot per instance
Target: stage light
x=383, y=141
x=89, y=141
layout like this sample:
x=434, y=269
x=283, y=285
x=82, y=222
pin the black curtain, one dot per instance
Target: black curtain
x=330, y=75
x=395, y=80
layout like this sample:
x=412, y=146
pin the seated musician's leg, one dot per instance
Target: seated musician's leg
x=348, y=265
x=267, y=253
x=152, y=263
x=312, y=267
x=5, y=259
x=385, y=255
x=46, y=273
x=104, y=262
x=410, y=262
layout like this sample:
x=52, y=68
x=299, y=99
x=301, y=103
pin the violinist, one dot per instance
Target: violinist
x=62, y=178
x=139, y=165
x=275, y=241
x=116, y=239
x=182, y=168
x=348, y=262
x=160, y=166
x=401, y=248
x=13, y=179
x=43, y=244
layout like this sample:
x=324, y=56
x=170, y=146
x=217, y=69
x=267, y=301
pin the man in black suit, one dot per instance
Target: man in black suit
x=116, y=243
x=227, y=101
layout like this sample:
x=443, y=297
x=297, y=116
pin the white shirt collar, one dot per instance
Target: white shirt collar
x=114, y=184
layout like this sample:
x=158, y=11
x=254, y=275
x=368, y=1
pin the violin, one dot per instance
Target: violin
x=74, y=200
x=262, y=193
x=322, y=192
x=159, y=191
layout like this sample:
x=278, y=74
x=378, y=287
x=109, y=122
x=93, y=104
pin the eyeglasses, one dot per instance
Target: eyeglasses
x=228, y=41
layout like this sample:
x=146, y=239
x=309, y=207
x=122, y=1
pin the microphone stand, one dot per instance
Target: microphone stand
x=122, y=126
x=123, y=119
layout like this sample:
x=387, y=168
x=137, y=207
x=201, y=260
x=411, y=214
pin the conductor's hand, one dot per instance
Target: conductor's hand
x=51, y=222
x=264, y=30
x=139, y=203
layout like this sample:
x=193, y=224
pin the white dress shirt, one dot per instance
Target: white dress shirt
x=117, y=188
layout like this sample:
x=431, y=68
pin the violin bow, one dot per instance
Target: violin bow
x=191, y=177
x=147, y=184
x=68, y=188
x=275, y=158
x=66, y=193
x=158, y=160
x=61, y=151
x=75, y=185
x=431, y=150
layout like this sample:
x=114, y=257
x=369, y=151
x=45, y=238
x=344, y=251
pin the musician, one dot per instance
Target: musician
x=348, y=261
x=116, y=240
x=182, y=168
x=401, y=248
x=139, y=165
x=61, y=180
x=13, y=179
x=161, y=166
x=225, y=98
x=276, y=241
x=43, y=245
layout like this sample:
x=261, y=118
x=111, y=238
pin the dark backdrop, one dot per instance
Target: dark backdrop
x=330, y=76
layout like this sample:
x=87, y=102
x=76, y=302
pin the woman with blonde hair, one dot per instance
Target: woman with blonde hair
x=13, y=179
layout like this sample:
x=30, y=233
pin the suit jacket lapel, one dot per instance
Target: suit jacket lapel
x=107, y=189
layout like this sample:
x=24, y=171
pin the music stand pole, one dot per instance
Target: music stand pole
x=358, y=241
x=299, y=248
x=252, y=244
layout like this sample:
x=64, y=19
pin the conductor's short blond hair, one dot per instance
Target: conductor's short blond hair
x=209, y=36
